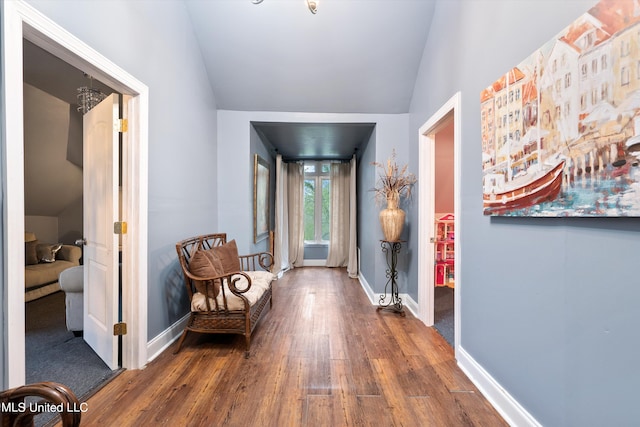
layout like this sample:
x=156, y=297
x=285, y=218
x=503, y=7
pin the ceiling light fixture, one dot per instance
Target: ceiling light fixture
x=311, y=4
x=88, y=97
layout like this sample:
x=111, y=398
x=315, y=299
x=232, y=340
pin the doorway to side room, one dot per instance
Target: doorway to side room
x=23, y=22
x=53, y=166
x=439, y=230
x=444, y=231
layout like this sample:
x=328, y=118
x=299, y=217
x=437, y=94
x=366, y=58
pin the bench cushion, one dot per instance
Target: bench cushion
x=260, y=281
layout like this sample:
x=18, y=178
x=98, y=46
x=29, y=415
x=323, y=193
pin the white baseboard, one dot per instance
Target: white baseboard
x=408, y=302
x=167, y=337
x=367, y=289
x=500, y=399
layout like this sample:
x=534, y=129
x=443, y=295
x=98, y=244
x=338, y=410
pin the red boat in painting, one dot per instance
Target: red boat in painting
x=540, y=189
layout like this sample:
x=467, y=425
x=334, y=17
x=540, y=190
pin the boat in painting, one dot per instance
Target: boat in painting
x=542, y=186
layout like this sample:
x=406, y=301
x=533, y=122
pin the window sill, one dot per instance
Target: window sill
x=316, y=244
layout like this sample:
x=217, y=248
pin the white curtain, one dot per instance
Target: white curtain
x=352, y=266
x=339, y=218
x=281, y=234
x=296, y=214
x=342, y=245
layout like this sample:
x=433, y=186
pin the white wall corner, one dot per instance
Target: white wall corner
x=508, y=407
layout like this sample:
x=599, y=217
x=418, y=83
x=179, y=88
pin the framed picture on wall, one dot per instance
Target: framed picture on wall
x=260, y=199
x=561, y=130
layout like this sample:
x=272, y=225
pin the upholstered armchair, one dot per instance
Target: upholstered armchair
x=72, y=283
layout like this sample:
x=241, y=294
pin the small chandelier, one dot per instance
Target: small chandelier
x=88, y=97
x=311, y=4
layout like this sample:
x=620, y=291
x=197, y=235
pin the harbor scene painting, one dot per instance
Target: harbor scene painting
x=561, y=130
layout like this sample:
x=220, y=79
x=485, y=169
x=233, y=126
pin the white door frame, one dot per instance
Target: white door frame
x=19, y=20
x=426, y=210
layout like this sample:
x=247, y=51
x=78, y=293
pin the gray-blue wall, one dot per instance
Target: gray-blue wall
x=266, y=152
x=154, y=42
x=549, y=306
x=367, y=216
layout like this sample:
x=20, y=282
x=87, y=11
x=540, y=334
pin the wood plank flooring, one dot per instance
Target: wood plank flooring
x=322, y=356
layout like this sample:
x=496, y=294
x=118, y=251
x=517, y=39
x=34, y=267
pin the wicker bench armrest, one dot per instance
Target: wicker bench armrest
x=231, y=280
x=257, y=261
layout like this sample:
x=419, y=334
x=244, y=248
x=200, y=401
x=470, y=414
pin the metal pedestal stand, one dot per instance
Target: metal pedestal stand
x=391, y=250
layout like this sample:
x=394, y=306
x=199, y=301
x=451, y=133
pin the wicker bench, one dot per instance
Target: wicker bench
x=228, y=292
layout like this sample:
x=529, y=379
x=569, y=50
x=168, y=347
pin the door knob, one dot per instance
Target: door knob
x=81, y=242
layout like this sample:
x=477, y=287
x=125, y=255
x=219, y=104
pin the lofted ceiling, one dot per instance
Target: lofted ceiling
x=352, y=56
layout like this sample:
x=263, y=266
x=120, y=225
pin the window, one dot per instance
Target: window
x=624, y=76
x=317, y=201
x=590, y=39
x=625, y=48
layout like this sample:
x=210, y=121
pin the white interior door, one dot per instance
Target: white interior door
x=101, y=142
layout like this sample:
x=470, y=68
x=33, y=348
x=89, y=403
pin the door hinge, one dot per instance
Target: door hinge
x=121, y=125
x=120, y=227
x=120, y=329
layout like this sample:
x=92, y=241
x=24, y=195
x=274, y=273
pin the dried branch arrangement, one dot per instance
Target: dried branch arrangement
x=393, y=180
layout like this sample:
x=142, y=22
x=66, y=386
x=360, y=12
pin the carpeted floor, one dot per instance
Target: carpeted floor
x=443, y=314
x=55, y=354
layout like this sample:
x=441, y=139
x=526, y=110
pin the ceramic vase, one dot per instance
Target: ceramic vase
x=392, y=219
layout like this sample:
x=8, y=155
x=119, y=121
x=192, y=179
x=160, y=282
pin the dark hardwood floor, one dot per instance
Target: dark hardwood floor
x=322, y=356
